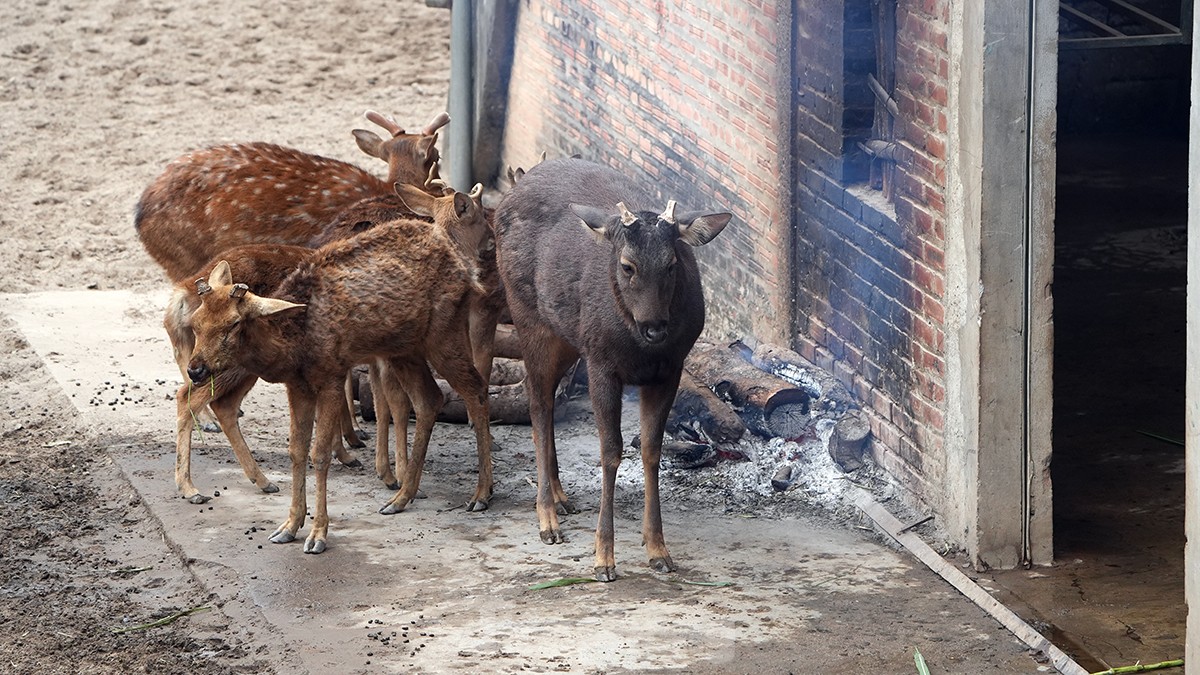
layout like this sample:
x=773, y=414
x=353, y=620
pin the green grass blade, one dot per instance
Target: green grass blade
x=922, y=669
x=566, y=581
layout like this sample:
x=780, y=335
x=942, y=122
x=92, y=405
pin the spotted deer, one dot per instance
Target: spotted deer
x=589, y=268
x=210, y=200
x=213, y=199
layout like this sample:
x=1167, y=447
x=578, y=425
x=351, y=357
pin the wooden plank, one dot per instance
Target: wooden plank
x=915, y=545
x=1124, y=41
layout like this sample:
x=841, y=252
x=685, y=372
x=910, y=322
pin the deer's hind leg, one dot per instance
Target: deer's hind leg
x=417, y=382
x=453, y=364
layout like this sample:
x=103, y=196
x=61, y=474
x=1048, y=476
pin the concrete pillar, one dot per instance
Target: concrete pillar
x=999, y=261
x=1192, y=405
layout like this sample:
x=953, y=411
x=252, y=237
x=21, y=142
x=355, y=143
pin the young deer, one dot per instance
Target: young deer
x=483, y=314
x=585, y=275
x=263, y=267
x=398, y=292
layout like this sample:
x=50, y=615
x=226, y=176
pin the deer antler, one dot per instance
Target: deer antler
x=476, y=191
x=627, y=218
x=238, y=290
x=202, y=287
x=439, y=121
x=385, y=121
x=669, y=214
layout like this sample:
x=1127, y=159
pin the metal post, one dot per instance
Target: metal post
x=459, y=142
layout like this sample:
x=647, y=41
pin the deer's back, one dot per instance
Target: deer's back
x=211, y=200
x=394, y=290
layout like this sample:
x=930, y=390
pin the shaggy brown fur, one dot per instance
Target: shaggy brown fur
x=398, y=293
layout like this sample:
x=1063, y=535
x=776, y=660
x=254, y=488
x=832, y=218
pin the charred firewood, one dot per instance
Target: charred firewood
x=697, y=407
x=830, y=398
x=507, y=371
x=507, y=404
x=770, y=406
x=507, y=344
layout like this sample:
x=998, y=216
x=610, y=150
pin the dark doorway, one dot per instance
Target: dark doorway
x=1115, y=595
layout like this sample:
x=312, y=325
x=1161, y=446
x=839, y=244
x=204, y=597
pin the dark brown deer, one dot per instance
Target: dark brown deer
x=213, y=199
x=398, y=292
x=585, y=275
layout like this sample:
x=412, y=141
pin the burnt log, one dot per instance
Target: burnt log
x=507, y=344
x=770, y=406
x=697, y=406
x=683, y=454
x=507, y=404
x=507, y=371
x=849, y=440
x=830, y=398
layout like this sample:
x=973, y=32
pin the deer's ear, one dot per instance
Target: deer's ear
x=221, y=275
x=425, y=148
x=462, y=204
x=417, y=200
x=598, y=221
x=369, y=142
x=697, y=229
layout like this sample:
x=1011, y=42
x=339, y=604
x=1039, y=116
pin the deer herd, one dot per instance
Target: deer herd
x=295, y=268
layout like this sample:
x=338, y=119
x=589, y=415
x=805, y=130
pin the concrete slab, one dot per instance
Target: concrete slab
x=436, y=589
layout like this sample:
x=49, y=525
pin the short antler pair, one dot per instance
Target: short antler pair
x=627, y=218
x=238, y=290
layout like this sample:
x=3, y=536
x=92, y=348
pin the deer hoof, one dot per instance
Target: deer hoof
x=551, y=537
x=271, y=488
x=314, y=546
x=392, y=508
x=199, y=498
x=353, y=464
x=606, y=574
x=393, y=486
x=477, y=505
x=282, y=536
x=663, y=565
x=565, y=508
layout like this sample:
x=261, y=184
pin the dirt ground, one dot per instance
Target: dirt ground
x=96, y=97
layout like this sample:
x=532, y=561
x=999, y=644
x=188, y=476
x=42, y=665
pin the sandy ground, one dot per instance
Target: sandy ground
x=96, y=97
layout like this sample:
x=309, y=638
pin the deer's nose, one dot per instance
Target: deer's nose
x=198, y=373
x=655, y=331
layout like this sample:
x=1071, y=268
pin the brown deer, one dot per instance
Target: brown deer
x=397, y=292
x=263, y=267
x=483, y=315
x=211, y=200
x=586, y=275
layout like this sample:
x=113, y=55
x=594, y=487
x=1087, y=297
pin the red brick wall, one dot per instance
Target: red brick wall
x=686, y=96
x=720, y=103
